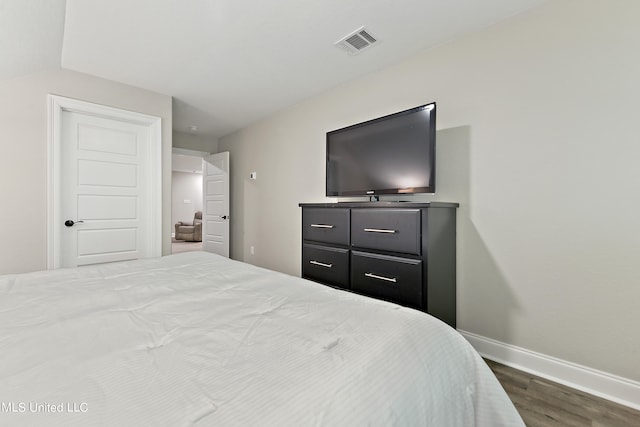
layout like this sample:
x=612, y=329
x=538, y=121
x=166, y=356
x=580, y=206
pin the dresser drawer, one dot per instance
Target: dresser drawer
x=326, y=264
x=394, y=230
x=329, y=225
x=387, y=277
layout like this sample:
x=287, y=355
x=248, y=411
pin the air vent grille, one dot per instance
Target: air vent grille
x=367, y=36
x=357, y=41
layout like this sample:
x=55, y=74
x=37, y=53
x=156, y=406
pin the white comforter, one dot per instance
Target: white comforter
x=198, y=340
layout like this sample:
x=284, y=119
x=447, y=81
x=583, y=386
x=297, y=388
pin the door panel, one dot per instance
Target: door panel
x=101, y=139
x=107, y=174
x=215, y=188
x=216, y=228
x=94, y=242
x=104, y=189
x=107, y=207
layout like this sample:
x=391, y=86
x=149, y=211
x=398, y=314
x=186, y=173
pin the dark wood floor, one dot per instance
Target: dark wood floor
x=544, y=403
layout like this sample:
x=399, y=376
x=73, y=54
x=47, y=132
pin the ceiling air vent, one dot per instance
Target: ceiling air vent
x=357, y=41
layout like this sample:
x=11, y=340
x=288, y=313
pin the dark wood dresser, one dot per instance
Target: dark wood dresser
x=396, y=251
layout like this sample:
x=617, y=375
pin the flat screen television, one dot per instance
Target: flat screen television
x=394, y=154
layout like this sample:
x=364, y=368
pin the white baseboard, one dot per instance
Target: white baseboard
x=607, y=386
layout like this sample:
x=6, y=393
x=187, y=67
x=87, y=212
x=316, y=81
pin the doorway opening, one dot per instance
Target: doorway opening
x=210, y=210
x=186, y=200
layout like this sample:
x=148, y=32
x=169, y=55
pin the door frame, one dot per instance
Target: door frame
x=56, y=106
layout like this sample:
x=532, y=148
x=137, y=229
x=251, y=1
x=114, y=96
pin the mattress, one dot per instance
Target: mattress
x=195, y=339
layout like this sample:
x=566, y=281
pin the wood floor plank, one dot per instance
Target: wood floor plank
x=544, y=403
x=535, y=419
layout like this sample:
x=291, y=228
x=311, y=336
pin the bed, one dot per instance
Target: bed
x=195, y=339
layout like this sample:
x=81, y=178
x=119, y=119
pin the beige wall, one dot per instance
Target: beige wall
x=186, y=192
x=538, y=141
x=195, y=142
x=23, y=159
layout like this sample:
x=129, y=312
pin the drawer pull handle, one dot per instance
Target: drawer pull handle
x=321, y=264
x=379, y=230
x=386, y=279
x=321, y=226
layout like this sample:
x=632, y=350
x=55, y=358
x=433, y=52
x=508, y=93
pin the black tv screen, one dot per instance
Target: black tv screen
x=394, y=154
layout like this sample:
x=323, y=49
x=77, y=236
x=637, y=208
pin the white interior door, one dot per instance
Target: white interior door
x=215, y=212
x=106, y=195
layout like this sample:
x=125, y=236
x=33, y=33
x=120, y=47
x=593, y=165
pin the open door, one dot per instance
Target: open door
x=215, y=206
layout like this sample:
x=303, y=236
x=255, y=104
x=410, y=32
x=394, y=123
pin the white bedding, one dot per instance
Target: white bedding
x=195, y=339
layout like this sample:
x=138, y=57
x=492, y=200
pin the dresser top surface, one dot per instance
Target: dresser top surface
x=381, y=205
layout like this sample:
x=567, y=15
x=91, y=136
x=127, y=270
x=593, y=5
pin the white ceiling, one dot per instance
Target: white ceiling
x=228, y=63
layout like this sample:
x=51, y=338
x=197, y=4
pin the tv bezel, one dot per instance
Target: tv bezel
x=430, y=189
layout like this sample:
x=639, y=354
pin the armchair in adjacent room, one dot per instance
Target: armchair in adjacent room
x=190, y=231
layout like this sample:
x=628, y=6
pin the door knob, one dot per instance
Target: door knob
x=70, y=222
x=224, y=217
